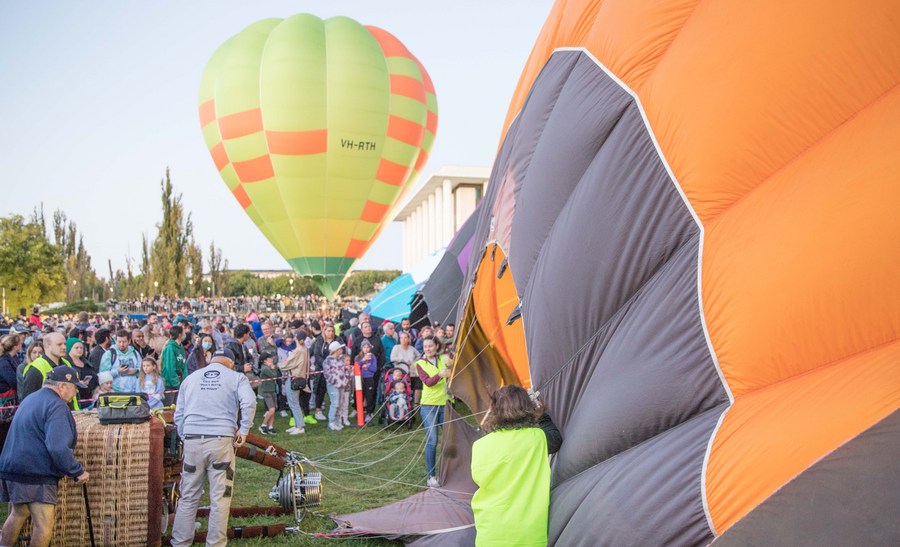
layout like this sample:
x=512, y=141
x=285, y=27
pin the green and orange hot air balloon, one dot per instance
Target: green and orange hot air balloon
x=318, y=127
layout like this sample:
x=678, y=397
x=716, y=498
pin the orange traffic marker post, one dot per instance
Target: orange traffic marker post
x=360, y=413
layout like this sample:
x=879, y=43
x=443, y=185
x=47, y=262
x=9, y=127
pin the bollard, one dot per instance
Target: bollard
x=360, y=412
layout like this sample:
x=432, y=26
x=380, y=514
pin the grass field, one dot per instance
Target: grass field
x=362, y=468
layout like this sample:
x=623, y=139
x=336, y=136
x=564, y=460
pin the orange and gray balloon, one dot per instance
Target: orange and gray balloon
x=690, y=245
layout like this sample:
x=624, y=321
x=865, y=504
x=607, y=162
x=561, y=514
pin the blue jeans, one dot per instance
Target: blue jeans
x=334, y=394
x=432, y=419
x=317, y=395
x=293, y=400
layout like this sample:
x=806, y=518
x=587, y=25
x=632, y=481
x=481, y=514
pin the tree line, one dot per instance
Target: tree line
x=40, y=267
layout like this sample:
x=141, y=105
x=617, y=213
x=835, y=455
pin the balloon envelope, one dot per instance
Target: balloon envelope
x=688, y=246
x=394, y=302
x=317, y=127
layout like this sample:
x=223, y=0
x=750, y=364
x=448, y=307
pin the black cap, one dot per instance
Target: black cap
x=265, y=355
x=64, y=373
x=224, y=352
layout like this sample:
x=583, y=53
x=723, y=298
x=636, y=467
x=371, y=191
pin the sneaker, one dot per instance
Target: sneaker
x=263, y=430
x=309, y=420
x=272, y=431
x=368, y=418
x=320, y=416
x=332, y=427
x=346, y=422
x=297, y=431
x=290, y=430
x=284, y=413
x=352, y=414
x=433, y=482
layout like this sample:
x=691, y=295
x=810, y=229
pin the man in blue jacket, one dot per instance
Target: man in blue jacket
x=39, y=451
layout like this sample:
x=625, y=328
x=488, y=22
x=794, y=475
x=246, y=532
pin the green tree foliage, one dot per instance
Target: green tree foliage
x=145, y=266
x=245, y=283
x=362, y=282
x=173, y=252
x=219, y=278
x=81, y=279
x=195, y=271
x=82, y=305
x=32, y=269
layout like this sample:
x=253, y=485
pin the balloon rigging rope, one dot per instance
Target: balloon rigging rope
x=389, y=481
x=376, y=439
x=366, y=444
x=386, y=481
x=413, y=460
x=349, y=444
x=455, y=306
x=490, y=343
x=364, y=449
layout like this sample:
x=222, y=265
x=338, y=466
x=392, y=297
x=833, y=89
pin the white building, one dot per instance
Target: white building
x=437, y=210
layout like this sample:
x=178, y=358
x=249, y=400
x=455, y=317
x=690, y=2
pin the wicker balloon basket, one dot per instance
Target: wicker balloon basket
x=125, y=489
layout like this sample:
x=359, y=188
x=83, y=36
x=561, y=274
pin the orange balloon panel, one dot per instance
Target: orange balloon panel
x=805, y=270
x=770, y=436
x=494, y=301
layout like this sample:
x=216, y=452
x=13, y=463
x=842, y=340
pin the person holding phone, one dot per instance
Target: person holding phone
x=86, y=373
x=123, y=362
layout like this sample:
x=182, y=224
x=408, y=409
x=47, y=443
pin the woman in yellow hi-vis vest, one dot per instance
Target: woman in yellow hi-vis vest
x=433, y=370
x=511, y=469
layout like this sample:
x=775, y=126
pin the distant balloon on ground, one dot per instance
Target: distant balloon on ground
x=317, y=127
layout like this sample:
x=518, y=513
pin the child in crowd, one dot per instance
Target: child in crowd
x=104, y=385
x=344, y=408
x=397, y=402
x=267, y=389
x=397, y=376
x=333, y=370
x=151, y=382
x=368, y=366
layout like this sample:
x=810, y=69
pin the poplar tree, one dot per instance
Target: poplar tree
x=218, y=272
x=169, y=260
x=81, y=279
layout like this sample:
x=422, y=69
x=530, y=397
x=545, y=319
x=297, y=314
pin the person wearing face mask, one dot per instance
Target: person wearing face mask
x=201, y=354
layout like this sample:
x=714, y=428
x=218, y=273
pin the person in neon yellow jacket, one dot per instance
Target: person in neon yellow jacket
x=512, y=471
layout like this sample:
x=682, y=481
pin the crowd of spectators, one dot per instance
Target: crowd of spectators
x=313, y=351
x=222, y=304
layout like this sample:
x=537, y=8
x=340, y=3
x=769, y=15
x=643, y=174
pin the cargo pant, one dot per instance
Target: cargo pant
x=211, y=458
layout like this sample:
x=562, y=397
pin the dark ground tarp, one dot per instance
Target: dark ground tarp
x=435, y=516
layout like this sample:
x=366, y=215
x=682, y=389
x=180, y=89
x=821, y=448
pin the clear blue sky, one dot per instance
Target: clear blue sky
x=99, y=97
